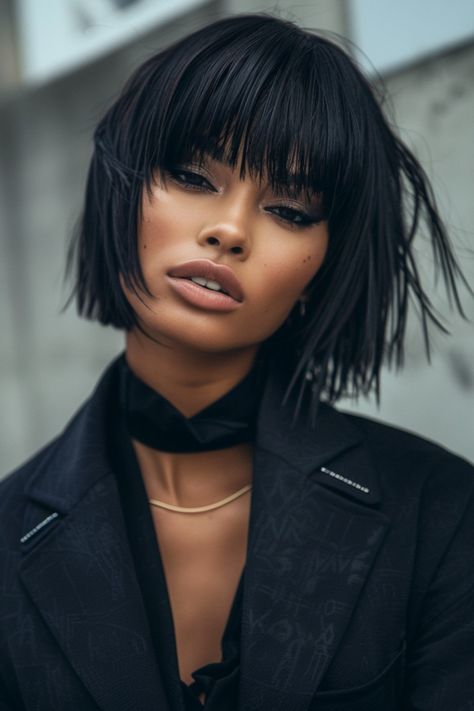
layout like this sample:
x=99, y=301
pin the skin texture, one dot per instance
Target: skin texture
x=193, y=356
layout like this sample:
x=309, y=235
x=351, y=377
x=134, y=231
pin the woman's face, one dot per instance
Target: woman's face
x=273, y=246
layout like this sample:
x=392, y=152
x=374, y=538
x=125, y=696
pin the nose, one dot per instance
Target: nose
x=225, y=239
x=228, y=236
x=226, y=245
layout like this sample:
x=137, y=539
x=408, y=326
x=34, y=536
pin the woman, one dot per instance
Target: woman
x=209, y=530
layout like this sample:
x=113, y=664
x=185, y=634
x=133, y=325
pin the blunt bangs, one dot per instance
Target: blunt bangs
x=293, y=109
x=261, y=98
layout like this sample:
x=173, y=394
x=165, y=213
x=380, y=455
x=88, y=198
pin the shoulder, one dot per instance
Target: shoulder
x=69, y=456
x=399, y=445
x=410, y=465
x=14, y=495
x=14, y=483
x=400, y=440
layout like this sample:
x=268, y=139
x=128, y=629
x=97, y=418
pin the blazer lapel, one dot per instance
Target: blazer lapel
x=313, y=538
x=78, y=569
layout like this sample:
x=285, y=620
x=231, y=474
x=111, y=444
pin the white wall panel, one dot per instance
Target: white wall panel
x=393, y=33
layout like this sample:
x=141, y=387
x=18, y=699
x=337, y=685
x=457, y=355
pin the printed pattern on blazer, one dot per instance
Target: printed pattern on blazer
x=359, y=585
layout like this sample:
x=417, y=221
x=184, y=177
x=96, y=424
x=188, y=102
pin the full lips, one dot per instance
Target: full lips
x=210, y=270
x=202, y=297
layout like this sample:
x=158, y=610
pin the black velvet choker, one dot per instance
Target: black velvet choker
x=154, y=421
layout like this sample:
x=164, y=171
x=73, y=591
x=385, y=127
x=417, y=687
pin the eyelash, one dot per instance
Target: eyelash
x=306, y=220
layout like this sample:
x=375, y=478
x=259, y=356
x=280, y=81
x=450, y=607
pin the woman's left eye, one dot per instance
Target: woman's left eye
x=294, y=217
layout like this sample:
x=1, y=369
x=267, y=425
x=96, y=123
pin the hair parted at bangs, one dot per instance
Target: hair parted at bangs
x=302, y=114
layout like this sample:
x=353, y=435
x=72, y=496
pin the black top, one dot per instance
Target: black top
x=219, y=680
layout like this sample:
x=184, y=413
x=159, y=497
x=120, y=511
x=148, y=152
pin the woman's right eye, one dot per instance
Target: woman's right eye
x=192, y=181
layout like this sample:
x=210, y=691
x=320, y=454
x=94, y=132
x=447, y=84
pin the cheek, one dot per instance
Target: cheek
x=286, y=278
x=155, y=225
x=164, y=222
x=158, y=239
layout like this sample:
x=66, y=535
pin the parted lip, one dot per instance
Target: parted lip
x=210, y=270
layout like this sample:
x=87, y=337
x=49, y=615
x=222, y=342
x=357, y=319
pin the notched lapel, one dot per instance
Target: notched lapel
x=313, y=539
x=81, y=578
x=78, y=568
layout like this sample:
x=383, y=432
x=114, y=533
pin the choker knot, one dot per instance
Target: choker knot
x=156, y=422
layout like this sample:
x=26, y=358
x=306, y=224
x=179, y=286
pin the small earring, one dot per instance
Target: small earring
x=302, y=308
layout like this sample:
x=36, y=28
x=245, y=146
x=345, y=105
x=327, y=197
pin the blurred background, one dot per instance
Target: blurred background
x=62, y=62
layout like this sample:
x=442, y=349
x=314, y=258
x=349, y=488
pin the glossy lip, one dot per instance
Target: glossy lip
x=210, y=270
x=201, y=297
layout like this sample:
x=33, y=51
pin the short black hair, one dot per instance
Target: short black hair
x=304, y=115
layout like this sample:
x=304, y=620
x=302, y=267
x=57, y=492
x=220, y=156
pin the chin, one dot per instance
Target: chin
x=203, y=338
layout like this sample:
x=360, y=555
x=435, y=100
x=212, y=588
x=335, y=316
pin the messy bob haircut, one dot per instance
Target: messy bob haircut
x=303, y=115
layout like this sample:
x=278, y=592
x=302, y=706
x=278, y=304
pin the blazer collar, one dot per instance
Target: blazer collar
x=314, y=532
x=78, y=458
x=333, y=438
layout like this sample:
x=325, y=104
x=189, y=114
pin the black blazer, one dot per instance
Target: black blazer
x=359, y=584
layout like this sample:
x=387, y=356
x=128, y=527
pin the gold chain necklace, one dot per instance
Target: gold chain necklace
x=198, y=509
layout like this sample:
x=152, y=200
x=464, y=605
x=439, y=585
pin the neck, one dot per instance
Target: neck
x=189, y=379
x=194, y=479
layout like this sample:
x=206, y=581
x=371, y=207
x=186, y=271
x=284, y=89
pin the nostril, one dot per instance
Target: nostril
x=236, y=250
x=213, y=240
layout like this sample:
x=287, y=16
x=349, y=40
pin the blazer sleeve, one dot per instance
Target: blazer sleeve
x=440, y=663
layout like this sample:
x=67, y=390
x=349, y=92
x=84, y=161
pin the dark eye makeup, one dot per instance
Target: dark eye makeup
x=194, y=181
x=188, y=178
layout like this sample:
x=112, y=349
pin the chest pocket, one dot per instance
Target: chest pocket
x=385, y=691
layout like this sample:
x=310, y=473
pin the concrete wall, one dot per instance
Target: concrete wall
x=49, y=362
x=433, y=104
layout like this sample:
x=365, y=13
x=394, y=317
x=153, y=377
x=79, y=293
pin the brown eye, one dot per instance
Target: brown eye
x=190, y=179
x=295, y=217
